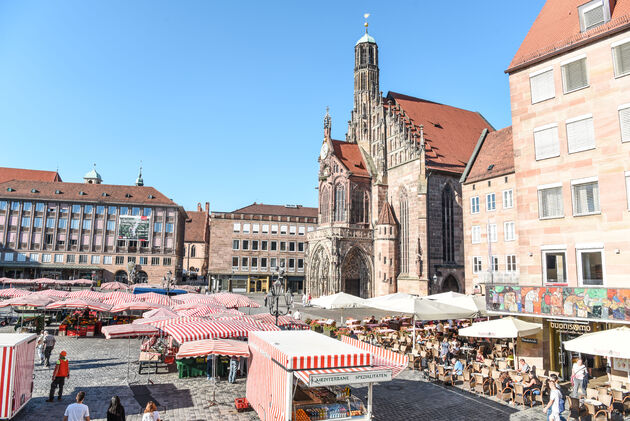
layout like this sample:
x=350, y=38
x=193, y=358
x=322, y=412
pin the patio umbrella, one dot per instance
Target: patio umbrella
x=282, y=320
x=474, y=303
x=213, y=347
x=507, y=327
x=82, y=282
x=159, y=312
x=13, y=292
x=202, y=310
x=87, y=294
x=339, y=300
x=444, y=296
x=119, y=297
x=114, y=285
x=31, y=300
x=389, y=297
x=129, y=331
x=54, y=293
x=230, y=300
x=607, y=343
x=152, y=297
x=134, y=305
x=79, y=303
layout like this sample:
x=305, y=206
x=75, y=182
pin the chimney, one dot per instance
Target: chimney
x=207, y=207
x=198, y=207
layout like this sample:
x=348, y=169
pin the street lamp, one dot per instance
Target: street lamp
x=434, y=282
x=272, y=299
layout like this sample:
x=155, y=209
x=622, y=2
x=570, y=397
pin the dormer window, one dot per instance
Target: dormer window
x=82, y=193
x=592, y=14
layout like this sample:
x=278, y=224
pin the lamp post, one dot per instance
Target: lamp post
x=434, y=284
x=272, y=299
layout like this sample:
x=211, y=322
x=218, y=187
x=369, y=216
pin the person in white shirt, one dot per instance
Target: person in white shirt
x=297, y=315
x=555, y=396
x=524, y=367
x=150, y=412
x=439, y=328
x=578, y=373
x=77, y=411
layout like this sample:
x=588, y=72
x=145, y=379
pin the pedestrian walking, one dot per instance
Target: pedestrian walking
x=297, y=315
x=304, y=297
x=49, y=345
x=59, y=376
x=115, y=412
x=233, y=368
x=40, y=347
x=556, y=401
x=209, y=367
x=578, y=372
x=150, y=412
x=77, y=411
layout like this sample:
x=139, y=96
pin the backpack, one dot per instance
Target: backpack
x=561, y=404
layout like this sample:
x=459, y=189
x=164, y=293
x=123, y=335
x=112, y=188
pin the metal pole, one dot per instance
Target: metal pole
x=413, y=345
x=370, y=396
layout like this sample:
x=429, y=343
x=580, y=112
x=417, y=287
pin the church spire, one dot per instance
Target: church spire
x=139, y=180
x=327, y=124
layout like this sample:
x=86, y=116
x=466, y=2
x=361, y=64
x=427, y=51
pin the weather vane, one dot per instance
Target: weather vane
x=366, y=16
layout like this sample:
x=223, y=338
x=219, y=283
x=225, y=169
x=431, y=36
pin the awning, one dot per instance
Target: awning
x=345, y=376
x=380, y=356
x=193, y=331
x=507, y=327
x=213, y=347
x=129, y=330
x=609, y=343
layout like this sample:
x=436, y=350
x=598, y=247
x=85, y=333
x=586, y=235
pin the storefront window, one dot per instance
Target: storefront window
x=590, y=267
x=555, y=267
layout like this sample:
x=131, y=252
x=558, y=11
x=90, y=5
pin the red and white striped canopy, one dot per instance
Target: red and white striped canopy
x=13, y=292
x=119, y=297
x=159, y=312
x=381, y=356
x=160, y=324
x=54, y=293
x=115, y=285
x=87, y=294
x=152, y=297
x=31, y=300
x=79, y=303
x=193, y=331
x=213, y=347
x=82, y=282
x=129, y=330
x=282, y=320
x=192, y=298
x=230, y=300
x=202, y=310
x=134, y=305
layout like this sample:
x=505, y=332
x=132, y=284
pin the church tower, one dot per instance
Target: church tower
x=385, y=233
x=366, y=90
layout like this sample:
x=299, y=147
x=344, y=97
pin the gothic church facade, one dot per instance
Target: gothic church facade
x=390, y=208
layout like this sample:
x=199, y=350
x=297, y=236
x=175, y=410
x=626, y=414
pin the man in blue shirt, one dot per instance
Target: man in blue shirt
x=458, y=367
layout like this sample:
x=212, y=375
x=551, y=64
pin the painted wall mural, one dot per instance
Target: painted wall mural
x=583, y=303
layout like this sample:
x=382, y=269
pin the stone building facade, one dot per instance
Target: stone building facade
x=402, y=159
x=196, y=243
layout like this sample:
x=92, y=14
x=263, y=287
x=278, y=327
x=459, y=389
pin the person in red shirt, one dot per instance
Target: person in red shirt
x=60, y=374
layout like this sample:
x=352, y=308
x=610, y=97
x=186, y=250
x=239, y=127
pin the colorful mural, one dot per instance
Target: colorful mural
x=583, y=303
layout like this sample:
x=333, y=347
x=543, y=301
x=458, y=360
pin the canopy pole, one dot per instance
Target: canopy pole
x=128, y=358
x=413, y=345
x=514, y=354
x=370, y=396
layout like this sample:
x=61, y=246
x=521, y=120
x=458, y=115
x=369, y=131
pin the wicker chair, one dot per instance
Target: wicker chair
x=519, y=394
x=502, y=393
x=576, y=411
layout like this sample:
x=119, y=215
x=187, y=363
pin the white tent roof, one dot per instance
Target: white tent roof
x=388, y=297
x=475, y=303
x=444, y=295
x=507, y=327
x=303, y=343
x=608, y=343
x=339, y=300
x=423, y=309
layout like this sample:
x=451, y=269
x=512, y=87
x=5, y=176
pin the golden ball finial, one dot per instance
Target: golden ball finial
x=365, y=24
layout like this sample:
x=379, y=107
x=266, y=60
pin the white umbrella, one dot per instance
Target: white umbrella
x=339, y=300
x=608, y=343
x=388, y=297
x=507, y=327
x=474, y=303
x=445, y=295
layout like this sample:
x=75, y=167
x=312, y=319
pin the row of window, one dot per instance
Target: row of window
x=260, y=264
x=265, y=229
x=82, y=259
x=264, y=245
x=62, y=223
x=585, y=198
x=493, y=262
x=491, y=202
x=509, y=232
x=575, y=73
x=78, y=209
x=590, y=265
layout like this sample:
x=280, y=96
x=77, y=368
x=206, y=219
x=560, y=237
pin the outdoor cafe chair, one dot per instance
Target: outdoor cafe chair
x=592, y=393
x=432, y=371
x=519, y=394
x=626, y=404
x=576, y=411
x=605, y=411
x=525, y=377
x=469, y=380
x=482, y=385
x=443, y=376
x=502, y=393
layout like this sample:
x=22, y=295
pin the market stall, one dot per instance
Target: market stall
x=84, y=321
x=303, y=375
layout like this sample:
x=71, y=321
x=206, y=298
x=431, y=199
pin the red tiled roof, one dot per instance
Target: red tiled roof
x=557, y=29
x=386, y=216
x=7, y=174
x=495, y=157
x=196, y=227
x=350, y=156
x=279, y=210
x=93, y=192
x=450, y=133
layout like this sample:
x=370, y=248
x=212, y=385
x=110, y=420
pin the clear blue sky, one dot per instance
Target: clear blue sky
x=223, y=101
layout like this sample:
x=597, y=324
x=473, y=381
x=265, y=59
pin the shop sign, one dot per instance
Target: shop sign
x=569, y=327
x=529, y=340
x=595, y=304
x=621, y=364
x=317, y=380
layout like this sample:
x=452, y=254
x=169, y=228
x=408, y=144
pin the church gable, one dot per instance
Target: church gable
x=350, y=157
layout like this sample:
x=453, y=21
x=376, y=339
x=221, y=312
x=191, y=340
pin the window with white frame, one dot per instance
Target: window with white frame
x=621, y=57
x=245, y=228
x=255, y=228
x=237, y=227
x=477, y=264
x=510, y=263
x=492, y=233
x=574, y=74
x=580, y=133
x=585, y=196
x=263, y=263
x=494, y=263
x=254, y=263
x=301, y=230
x=554, y=264
x=310, y=229
x=550, y=201
x=627, y=174
x=474, y=204
x=96, y=259
x=624, y=122
x=234, y=263
x=107, y=260
x=34, y=257
x=590, y=265
x=546, y=141
x=592, y=14
x=283, y=229
x=21, y=257
x=491, y=202
x=475, y=234
x=292, y=230
x=58, y=258
x=235, y=244
x=46, y=258
x=244, y=263
x=265, y=229
x=509, y=231
x=245, y=245
x=274, y=229
x=508, y=199
x=542, y=85
x=291, y=265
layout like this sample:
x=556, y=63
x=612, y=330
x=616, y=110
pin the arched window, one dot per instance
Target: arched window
x=371, y=55
x=358, y=207
x=340, y=203
x=363, y=55
x=193, y=251
x=324, y=204
x=404, y=234
x=448, y=241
